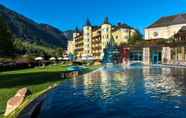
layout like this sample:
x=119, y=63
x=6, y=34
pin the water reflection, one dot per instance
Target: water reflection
x=117, y=91
x=169, y=81
x=109, y=82
x=104, y=82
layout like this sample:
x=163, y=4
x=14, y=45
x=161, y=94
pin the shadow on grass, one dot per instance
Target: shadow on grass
x=28, y=79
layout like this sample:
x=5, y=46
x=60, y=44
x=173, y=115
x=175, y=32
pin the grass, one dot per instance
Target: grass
x=29, y=99
x=36, y=79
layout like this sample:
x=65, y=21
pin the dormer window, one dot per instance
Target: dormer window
x=116, y=37
x=155, y=34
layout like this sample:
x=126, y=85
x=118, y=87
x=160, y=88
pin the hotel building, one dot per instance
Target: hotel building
x=170, y=27
x=92, y=40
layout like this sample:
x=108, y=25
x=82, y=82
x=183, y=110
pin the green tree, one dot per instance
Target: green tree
x=135, y=37
x=59, y=52
x=6, y=43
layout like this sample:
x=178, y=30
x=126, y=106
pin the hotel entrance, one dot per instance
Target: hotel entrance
x=156, y=56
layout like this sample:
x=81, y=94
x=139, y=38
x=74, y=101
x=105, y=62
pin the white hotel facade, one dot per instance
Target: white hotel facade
x=164, y=28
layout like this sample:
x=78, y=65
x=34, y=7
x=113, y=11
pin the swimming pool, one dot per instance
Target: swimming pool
x=120, y=92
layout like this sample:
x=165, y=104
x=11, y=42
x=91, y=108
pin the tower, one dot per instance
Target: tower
x=76, y=32
x=71, y=43
x=106, y=33
x=87, y=38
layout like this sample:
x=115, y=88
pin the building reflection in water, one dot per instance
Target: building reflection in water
x=107, y=83
x=101, y=84
x=169, y=81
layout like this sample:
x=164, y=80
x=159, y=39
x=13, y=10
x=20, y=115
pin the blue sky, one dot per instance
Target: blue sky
x=67, y=14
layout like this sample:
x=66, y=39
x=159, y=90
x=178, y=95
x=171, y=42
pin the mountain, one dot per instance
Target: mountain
x=69, y=34
x=31, y=31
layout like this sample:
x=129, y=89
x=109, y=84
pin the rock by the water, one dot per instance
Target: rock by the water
x=15, y=101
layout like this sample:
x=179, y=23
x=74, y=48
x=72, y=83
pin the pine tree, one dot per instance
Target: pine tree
x=136, y=37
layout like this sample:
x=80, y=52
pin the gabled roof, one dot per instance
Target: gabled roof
x=123, y=25
x=169, y=20
x=120, y=26
x=96, y=27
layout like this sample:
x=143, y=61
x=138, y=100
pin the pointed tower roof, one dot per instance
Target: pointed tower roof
x=106, y=20
x=76, y=29
x=88, y=23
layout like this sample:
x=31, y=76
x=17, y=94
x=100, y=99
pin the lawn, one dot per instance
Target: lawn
x=36, y=79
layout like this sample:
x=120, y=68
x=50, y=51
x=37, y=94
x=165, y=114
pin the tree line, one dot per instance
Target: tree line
x=11, y=46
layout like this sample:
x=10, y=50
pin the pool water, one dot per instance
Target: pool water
x=120, y=92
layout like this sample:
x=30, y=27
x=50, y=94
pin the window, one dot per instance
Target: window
x=116, y=37
x=126, y=37
x=107, y=36
x=126, y=30
x=155, y=34
x=179, y=50
x=107, y=29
